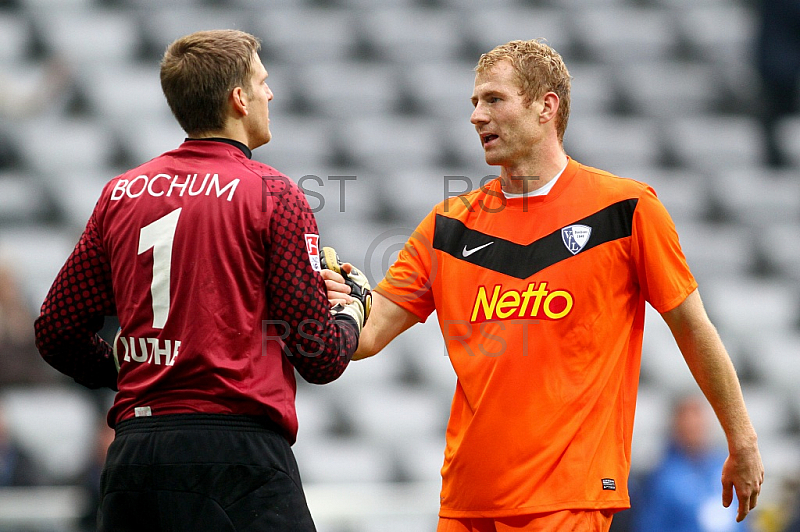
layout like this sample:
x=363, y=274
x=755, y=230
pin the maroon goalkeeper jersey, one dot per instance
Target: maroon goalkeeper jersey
x=211, y=262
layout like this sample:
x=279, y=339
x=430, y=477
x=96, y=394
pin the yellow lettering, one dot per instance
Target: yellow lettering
x=540, y=292
x=482, y=302
x=557, y=315
x=508, y=304
x=502, y=305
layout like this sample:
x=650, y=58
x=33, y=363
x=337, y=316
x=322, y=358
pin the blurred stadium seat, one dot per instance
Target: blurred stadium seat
x=714, y=250
x=78, y=200
x=716, y=142
x=788, y=132
x=165, y=23
x=39, y=417
x=413, y=141
x=411, y=36
x=56, y=4
x=15, y=37
x=119, y=92
x=779, y=245
x=23, y=198
x=683, y=192
x=769, y=409
x=389, y=414
x=718, y=31
x=667, y=88
x=347, y=89
x=440, y=89
x=380, y=90
x=621, y=34
x=84, y=36
x=663, y=368
x=758, y=196
x=594, y=89
x=142, y=138
x=650, y=428
x=431, y=184
x=287, y=152
x=297, y=35
x=333, y=460
x=775, y=360
x=71, y=144
x=36, y=253
x=612, y=143
x=488, y=27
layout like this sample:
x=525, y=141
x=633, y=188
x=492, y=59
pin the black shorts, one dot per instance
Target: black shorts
x=198, y=472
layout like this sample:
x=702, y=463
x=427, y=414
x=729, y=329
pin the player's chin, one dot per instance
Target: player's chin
x=492, y=159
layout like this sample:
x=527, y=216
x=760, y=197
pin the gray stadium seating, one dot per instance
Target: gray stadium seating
x=381, y=90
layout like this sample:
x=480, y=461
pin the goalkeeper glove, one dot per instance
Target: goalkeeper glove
x=360, y=289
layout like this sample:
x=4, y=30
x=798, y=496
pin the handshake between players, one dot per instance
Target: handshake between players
x=349, y=291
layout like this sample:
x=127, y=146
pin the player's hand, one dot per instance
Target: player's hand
x=337, y=291
x=358, y=301
x=743, y=472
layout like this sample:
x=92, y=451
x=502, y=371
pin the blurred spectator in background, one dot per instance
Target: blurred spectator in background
x=36, y=92
x=20, y=362
x=33, y=95
x=794, y=526
x=778, y=61
x=16, y=467
x=683, y=492
x=786, y=517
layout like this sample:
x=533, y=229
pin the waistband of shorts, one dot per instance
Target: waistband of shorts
x=223, y=422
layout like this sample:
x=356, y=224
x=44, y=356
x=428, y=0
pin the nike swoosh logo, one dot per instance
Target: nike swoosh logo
x=467, y=252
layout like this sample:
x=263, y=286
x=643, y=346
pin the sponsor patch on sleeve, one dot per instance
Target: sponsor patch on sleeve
x=312, y=247
x=609, y=484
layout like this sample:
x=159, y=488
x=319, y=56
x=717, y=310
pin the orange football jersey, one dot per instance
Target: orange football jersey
x=541, y=301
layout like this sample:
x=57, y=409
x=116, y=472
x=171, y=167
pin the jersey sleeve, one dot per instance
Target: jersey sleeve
x=74, y=311
x=320, y=345
x=409, y=281
x=662, y=271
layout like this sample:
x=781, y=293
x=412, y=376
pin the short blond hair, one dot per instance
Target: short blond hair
x=199, y=70
x=539, y=69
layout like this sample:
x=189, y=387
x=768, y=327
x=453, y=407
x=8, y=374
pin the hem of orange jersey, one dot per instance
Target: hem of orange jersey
x=615, y=506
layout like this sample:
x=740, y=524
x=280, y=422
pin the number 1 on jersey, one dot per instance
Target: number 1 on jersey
x=159, y=236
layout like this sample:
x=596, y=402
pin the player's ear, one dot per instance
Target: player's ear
x=239, y=101
x=550, y=103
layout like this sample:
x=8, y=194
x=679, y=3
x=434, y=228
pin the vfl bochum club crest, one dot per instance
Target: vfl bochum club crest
x=575, y=237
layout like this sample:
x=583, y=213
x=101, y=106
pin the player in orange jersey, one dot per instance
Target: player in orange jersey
x=539, y=281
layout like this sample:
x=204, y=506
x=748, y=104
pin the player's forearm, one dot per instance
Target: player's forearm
x=367, y=344
x=386, y=321
x=320, y=345
x=712, y=368
x=74, y=311
x=715, y=374
x=322, y=356
x=76, y=351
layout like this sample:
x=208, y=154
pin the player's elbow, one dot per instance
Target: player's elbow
x=42, y=334
x=317, y=377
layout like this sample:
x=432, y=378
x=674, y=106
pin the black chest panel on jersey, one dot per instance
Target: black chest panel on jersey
x=523, y=260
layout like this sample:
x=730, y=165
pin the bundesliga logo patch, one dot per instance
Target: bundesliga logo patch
x=575, y=237
x=312, y=247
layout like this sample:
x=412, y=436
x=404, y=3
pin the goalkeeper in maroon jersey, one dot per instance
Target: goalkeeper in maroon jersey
x=211, y=261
